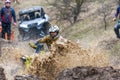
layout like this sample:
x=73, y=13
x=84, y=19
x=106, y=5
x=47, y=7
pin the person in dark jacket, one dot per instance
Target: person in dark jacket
x=117, y=15
x=7, y=14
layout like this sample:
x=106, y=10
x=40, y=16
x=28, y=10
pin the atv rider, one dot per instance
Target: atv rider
x=6, y=15
x=49, y=39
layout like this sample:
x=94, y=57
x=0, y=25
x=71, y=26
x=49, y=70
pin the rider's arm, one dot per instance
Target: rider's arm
x=44, y=39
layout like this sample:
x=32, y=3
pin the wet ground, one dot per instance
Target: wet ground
x=2, y=74
x=89, y=73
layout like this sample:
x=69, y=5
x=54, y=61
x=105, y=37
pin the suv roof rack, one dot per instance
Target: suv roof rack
x=29, y=10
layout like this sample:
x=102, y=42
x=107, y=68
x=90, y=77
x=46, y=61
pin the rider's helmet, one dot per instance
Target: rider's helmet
x=54, y=31
x=7, y=1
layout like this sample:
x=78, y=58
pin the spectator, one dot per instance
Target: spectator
x=6, y=15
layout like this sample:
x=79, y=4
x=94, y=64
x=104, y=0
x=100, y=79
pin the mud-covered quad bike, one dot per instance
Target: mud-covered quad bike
x=33, y=23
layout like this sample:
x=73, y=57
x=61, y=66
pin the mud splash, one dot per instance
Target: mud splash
x=65, y=55
x=10, y=59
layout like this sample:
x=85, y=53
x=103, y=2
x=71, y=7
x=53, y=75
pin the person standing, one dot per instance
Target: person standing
x=7, y=14
x=117, y=16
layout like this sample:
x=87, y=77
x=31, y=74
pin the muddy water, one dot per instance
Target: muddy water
x=67, y=55
x=10, y=58
x=61, y=56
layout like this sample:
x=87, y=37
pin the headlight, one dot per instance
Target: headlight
x=23, y=26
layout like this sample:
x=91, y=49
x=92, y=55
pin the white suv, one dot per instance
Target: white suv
x=33, y=23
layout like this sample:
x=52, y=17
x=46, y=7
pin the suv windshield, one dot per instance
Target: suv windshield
x=30, y=16
x=33, y=23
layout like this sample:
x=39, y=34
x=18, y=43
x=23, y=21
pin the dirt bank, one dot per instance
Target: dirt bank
x=89, y=73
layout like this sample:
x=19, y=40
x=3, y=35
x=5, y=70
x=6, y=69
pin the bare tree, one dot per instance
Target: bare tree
x=104, y=12
x=17, y=1
x=68, y=9
x=77, y=8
